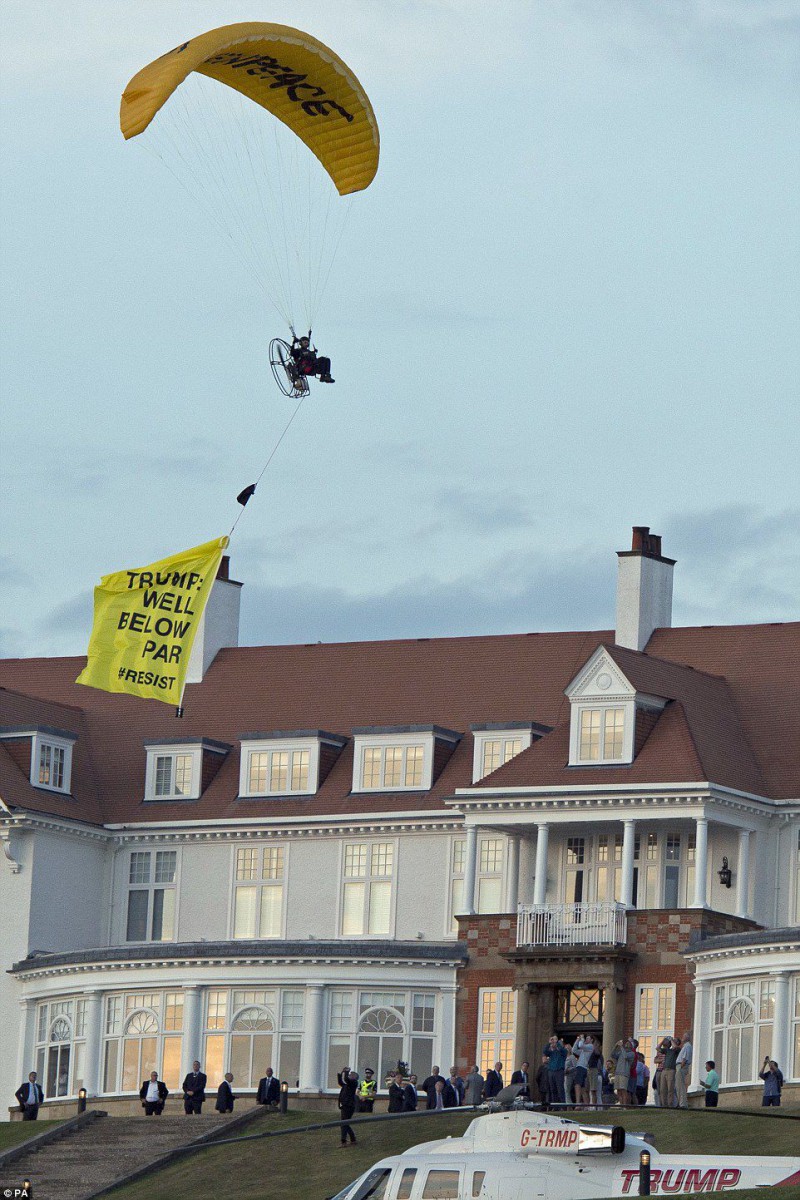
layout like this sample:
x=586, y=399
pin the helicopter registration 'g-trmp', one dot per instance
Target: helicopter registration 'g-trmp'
x=520, y=1154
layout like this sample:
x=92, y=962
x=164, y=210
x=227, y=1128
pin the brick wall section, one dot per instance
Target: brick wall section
x=487, y=938
x=656, y=936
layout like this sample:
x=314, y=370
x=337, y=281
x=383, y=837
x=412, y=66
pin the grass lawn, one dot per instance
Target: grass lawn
x=307, y=1166
x=14, y=1132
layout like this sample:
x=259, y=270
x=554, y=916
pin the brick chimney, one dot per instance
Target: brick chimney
x=644, y=589
x=219, y=624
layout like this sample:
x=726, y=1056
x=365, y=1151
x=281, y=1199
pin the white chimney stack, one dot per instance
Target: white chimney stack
x=644, y=589
x=219, y=624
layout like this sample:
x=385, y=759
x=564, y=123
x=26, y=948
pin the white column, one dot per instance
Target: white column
x=610, y=1016
x=701, y=863
x=311, y=1048
x=447, y=1032
x=512, y=878
x=192, y=1041
x=93, y=1027
x=540, y=880
x=470, y=871
x=701, y=1032
x=743, y=875
x=26, y=1040
x=628, y=846
x=780, y=1025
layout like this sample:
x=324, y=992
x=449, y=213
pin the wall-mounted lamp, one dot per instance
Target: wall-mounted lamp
x=82, y=1100
x=284, y=1097
x=725, y=874
x=644, y=1173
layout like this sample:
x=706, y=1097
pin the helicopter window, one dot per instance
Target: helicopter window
x=374, y=1186
x=477, y=1182
x=406, y=1183
x=442, y=1185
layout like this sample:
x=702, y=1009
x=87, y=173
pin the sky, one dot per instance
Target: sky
x=568, y=304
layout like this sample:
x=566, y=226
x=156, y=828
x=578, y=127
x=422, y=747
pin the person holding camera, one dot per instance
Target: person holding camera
x=773, y=1082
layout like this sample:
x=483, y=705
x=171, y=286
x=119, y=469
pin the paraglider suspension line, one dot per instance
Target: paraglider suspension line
x=273, y=452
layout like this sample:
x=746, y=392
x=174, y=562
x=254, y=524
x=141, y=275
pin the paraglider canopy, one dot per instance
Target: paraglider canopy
x=291, y=74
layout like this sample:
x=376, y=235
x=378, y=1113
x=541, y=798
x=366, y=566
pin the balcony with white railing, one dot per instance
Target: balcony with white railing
x=571, y=925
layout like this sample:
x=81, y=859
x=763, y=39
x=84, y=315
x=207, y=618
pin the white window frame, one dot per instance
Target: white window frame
x=503, y=1048
x=151, y=886
x=655, y=1031
x=457, y=876
x=290, y=746
x=41, y=740
x=629, y=721
x=193, y=750
x=259, y=883
x=481, y=737
x=369, y=879
x=385, y=741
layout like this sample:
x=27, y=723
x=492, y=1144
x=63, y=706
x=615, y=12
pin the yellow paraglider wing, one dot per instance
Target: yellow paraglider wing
x=289, y=73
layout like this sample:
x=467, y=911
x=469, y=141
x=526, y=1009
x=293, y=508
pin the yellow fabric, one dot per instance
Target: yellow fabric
x=291, y=74
x=145, y=621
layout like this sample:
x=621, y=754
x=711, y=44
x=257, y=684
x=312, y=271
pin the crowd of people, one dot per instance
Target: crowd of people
x=569, y=1074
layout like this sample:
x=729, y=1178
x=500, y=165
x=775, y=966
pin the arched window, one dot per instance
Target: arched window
x=381, y=1032
x=252, y=1031
x=739, y=1064
x=140, y=1051
x=58, y=1058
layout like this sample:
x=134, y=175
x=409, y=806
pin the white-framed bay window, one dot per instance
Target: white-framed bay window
x=496, y=1017
x=379, y=1028
x=367, y=904
x=151, y=898
x=173, y=771
x=285, y=764
x=250, y=1029
x=259, y=882
x=742, y=1027
x=142, y=1033
x=59, y=1053
x=494, y=747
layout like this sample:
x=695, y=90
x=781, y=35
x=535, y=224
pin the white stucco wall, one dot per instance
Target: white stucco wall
x=69, y=898
x=15, y=895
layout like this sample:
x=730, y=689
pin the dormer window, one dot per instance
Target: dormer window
x=181, y=770
x=406, y=759
x=173, y=772
x=51, y=762
x=495, y=745
x=286, y=764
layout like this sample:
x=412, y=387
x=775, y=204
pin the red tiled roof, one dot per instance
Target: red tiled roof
x=451, y=682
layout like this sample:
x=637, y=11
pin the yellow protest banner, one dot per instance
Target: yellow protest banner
x=145, y=621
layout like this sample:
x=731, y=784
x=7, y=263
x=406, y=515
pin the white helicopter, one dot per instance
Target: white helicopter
x=520, y=1154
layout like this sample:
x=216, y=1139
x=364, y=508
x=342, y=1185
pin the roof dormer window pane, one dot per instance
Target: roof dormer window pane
x=300, y=765
x=414, y=759
x=259, y=764
x=371, y=775
x=164, y=775
x=393, y=773
x=590, y=735
x=279, y=771
x=613, y=731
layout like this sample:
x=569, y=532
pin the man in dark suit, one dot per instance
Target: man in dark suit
x=30, y=1096
x=521, y=1076
x=225, y=1096
x=410, y=1096
x=348, y=1085
x=396, y=1093
x=494, y=1081
x=153, y=1093
x=429, y=1086
x=194, y=1090
x=269, y=1089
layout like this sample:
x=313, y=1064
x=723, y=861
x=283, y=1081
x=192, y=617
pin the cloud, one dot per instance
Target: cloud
x=511, y=594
